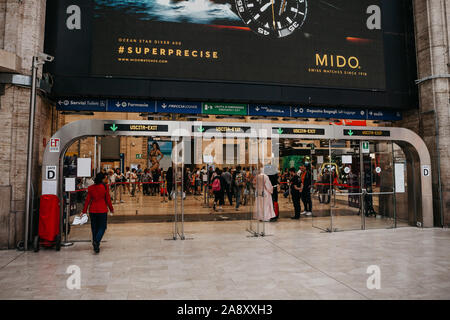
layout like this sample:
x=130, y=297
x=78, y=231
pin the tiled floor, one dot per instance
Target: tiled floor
x=295, y=261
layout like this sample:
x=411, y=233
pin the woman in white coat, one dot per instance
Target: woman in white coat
x=263, y=210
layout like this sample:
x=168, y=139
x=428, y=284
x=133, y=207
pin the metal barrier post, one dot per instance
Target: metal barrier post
x=175, y=202
x=334, y=197
x=263, y=233
x=331, y=190
x=363, y=214
x=257, y=208
x=205, y=195
x=182, y=201
x=115, y=192
x=362, y=197
x=35, y=64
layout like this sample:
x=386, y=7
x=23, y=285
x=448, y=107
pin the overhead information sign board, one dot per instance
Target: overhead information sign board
x=221, y=129
x=384, y=115
x=81, y=104
x=131, y=106
x=307, y=131
x=178, y=107
x=269, y=110
x=224, y=108
x=136, y=127
x=367, y=133
x=328, y=113
x=186, y=107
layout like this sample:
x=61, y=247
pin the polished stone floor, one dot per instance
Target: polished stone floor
x=220, y=261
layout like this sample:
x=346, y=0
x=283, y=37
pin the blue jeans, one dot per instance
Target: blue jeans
x=237, y=192
x=98, y=225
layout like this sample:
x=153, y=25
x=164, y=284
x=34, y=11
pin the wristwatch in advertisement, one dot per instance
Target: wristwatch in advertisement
x=272, y=18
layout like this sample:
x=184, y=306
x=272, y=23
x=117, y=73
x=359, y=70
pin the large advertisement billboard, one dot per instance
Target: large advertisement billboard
x=313, y=43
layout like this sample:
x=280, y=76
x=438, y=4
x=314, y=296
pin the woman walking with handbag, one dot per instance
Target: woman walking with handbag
x=98, y=201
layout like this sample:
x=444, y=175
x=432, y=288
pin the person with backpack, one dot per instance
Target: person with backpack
x=98, y=201
x=217, y=187
x=325, y=186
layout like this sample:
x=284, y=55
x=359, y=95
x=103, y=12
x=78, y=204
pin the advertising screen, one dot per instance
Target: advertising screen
x=314, y=43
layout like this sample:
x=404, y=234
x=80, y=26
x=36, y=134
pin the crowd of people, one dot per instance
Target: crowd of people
x=226, y=186
x=236, y=184
x=135, y=180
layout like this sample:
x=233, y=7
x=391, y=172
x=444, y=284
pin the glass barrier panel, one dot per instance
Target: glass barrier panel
x=345, y=166
x=379, y=178
x=321, y=184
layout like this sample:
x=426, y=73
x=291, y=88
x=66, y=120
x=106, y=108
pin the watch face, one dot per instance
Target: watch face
x=272, y=18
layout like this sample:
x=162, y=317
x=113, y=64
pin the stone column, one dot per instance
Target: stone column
x=432, y=120
x=21, y=35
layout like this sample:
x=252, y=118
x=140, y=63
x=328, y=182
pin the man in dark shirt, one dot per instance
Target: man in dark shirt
x=227, y=177
x=295, y=185
x=305, y=179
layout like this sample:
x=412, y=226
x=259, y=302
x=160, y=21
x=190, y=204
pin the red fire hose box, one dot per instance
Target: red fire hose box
x=49, y=214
